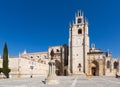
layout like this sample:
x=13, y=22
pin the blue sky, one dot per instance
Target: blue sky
x=35, y=25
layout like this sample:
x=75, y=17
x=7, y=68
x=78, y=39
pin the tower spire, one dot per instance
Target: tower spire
x=75, y=15
x=86, y=20
x=79, y=13
x=82, y=14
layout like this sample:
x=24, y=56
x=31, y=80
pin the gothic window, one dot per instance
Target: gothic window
x=108, y=64
x=31, y=56
x=115, y=65
x=80, y=31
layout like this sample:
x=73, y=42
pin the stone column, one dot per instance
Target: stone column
x=52, y=78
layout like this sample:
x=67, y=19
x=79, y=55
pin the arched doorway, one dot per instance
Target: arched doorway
x=95, y=68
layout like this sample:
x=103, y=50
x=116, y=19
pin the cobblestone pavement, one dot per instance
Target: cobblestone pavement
x=78, y=81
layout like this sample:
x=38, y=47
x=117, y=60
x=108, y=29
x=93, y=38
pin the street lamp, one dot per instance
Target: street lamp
x=31, y=67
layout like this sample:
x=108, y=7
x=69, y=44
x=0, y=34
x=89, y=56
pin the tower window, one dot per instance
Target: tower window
x=108, y=64
x=79, y=20
x=80, y=31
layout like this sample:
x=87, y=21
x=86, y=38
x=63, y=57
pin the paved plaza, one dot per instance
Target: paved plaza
x=76, y=81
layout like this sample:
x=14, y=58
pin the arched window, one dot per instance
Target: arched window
x=108, y=64
x=115, y=65
x=79, y=20
x=57, y=50
x=80, y=31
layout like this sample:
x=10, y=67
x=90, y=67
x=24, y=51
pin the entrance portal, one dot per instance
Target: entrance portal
x=95, y=68
x=65, y=73
x=93, y=71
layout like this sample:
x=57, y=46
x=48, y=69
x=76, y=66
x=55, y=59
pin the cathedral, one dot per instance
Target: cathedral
x=76, y=58
x=85, y=60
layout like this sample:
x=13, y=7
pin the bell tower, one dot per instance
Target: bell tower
x=78, y=45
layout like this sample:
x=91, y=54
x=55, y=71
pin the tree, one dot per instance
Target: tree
x=6, y=70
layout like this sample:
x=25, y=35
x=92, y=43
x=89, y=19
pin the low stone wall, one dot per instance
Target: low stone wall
x=24, y=75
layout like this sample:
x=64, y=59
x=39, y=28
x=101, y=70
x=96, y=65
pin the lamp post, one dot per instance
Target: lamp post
x=19, y=60
x=31, y=67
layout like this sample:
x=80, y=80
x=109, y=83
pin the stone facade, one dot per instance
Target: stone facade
x=75, y=59
x=36, y=64
x=28, y=64
x=101, y=63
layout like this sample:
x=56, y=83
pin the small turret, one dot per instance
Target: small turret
x=19, y=55
x=93, y=46
x=24, y=52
